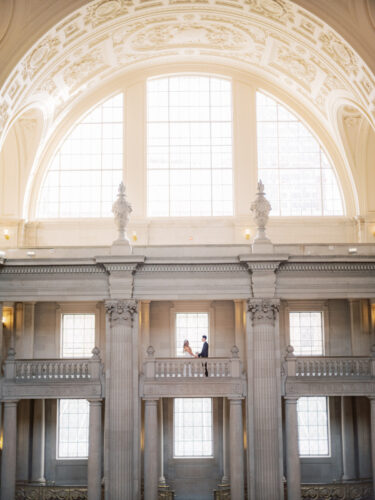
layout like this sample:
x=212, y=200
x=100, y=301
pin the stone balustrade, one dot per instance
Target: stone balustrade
x=329, y=367
x=55, y=378
x=174, y=377
x=328, y=375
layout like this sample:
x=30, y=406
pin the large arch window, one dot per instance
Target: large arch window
x=297, y=174
x=189, y=146
x=84, y=175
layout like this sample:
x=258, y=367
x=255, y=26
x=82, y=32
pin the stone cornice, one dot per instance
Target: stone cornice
x=327, y=267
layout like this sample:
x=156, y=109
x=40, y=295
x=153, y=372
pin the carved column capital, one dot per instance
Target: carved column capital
x=121, y=311
x=263, y=310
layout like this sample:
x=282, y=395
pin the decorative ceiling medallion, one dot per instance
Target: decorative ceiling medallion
x=106, y=10
x=179, y=35
x=45, y=51
x=339, y=51
x=275, y=9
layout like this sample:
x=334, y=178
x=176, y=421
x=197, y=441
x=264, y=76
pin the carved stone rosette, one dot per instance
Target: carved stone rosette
x=121, y=210
x=263, y=310
x=260, y=208
x=121, y=311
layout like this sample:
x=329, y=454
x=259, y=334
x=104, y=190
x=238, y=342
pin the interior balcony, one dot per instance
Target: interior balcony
x=328, y=375
x=187, y=377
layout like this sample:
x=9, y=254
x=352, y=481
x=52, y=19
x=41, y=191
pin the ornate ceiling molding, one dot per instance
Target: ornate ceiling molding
x=273, y=37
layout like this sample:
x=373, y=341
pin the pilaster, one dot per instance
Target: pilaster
x=236, y=449
x=293, y=467
x=151, y=449
x=8, y=459
x=94, y=466
x=38, y=449
x=372, y=405
x=121, y=471
x=347, y=438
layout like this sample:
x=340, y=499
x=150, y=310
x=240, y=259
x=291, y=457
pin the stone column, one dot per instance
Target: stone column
x=8, y=461
x=293, y=467
x=94, y=464
x=236, y=449
x=151, y=449
x=372, y=403
x=38, y=449
x=121, y=400
x=347, y=438
x=161, y=443
x=265, y=396
x=226, y=443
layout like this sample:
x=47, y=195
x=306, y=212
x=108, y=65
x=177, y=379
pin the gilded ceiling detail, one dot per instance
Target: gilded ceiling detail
x=275, y=38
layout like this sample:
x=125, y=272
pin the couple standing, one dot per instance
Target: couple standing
x=189, y=353
x=203, y=354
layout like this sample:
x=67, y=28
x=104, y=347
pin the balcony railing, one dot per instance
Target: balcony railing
x=48, y=370
x=190, y=368
x=332, y=366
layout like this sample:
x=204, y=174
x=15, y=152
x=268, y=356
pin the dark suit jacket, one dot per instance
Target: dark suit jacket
x=204, y=352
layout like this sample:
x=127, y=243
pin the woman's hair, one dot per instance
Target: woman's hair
x=186, y=342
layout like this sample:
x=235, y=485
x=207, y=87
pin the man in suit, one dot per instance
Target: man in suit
x=204, y=353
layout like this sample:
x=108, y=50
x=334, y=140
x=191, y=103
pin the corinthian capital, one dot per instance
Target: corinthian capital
x=263, y=310
x=121, y=311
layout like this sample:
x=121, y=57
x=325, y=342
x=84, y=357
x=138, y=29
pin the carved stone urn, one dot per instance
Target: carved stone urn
x=260, y=209
x=121, y=210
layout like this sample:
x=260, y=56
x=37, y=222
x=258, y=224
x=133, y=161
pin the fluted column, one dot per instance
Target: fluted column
x=121, y=400
x=372, y=403
x=236, y=449
x=347, y=438
x=94, y=463
x=161, y=442
x=293, y=467
x=8, y=461
x=151, y=449
x=37, y=460
x=265, y=400
x=226, y=443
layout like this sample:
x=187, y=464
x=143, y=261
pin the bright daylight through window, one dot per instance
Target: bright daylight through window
x=306, y=333
x=313, y=430
x=296, y=172
x=73, y=428
x=77, y=335
x=192, y=427
x=191, y=327
x=189, y=146
x=84, y=175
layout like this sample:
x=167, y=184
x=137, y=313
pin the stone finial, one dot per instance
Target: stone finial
x=121, y=210
x=96, y=353
x=11, y=353
x=235, y=352
x=150, y=351
x=260, y=209
x=290, y=351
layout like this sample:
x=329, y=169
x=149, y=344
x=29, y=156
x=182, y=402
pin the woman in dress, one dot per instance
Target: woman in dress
x=188, y=353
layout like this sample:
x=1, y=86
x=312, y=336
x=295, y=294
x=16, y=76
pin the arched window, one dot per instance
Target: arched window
x=297, y=174
x=84, y=175
x=189, y=146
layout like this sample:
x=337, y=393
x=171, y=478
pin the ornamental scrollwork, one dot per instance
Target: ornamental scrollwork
x=263, y=310
x=121, y=311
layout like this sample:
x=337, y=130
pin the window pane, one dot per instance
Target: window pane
x=306, y=333
x=78, y=335
x=313, y=435
x=85, y=173
x=73, y=428
x=191, y=327
x=189, y=145
x=192, y=426
x=298, y=177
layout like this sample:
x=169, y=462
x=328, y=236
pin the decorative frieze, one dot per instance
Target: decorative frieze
x=121, y=311
x=263, y=310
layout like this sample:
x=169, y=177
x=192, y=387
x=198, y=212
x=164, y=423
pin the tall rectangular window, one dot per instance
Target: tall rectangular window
x=192, y=426
x=78, y=335
x=189, y=146
x=313, y=429
x=73, y=428
x=191, y=327
x=306, y=333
